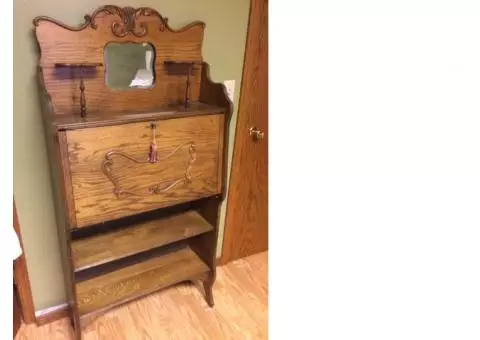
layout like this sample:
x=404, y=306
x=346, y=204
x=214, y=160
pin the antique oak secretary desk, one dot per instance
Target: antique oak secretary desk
x=138, y=155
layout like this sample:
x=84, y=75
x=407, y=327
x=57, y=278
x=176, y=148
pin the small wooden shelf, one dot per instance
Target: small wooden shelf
x=121, y=286
x=104, y=248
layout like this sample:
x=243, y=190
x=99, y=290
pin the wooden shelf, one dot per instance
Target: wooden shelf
x=121, y=286
x=98, y=119
x=104, y=248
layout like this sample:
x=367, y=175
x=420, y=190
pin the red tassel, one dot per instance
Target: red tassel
x=152, y=158
x=153, y=153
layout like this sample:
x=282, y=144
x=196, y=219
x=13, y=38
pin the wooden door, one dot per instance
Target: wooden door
x=246, y=227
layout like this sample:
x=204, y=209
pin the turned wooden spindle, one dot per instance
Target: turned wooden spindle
x=81, y=68
x=187, y=89
x=83, y=102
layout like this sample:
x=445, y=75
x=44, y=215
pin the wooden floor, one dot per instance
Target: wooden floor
x=240, y=312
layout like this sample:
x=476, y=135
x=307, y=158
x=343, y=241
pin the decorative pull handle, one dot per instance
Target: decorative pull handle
x=256, y=133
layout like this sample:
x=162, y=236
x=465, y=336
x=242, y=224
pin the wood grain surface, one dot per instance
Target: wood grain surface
x=138, y=280
x=111, y=246
x=215, y=94
x=63, y=44
x=105, y=118
x=63, y=199
x=94, y=193
x=99, y=97
x=181, y=313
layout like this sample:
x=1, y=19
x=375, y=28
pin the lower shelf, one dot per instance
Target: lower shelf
x=121, y=286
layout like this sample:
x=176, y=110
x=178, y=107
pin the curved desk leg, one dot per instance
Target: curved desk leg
x=208, y=288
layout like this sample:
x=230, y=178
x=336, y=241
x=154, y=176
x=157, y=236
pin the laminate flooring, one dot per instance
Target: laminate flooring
x=181, y=313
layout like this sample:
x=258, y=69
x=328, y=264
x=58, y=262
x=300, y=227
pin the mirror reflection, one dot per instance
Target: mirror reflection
x=129, y=65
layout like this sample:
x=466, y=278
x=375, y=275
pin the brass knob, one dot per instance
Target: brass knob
x=256, y=133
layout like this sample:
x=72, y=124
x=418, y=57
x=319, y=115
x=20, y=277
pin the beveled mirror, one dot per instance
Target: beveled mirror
x=129, y=65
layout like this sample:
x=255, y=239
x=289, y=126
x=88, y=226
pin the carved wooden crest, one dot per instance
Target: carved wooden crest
x=128, y=20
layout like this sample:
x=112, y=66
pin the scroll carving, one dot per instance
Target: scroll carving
x=154, y=189
x=129, y=21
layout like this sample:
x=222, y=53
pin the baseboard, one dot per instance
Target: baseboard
x=51, y=314
x=221, y=261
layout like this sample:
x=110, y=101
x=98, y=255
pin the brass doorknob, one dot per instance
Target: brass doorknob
x=256, y=133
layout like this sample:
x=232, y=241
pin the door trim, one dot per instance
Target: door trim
x=21, y=279
x=248, y=63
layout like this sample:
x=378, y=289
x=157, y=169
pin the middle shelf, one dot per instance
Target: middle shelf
x=100, y=249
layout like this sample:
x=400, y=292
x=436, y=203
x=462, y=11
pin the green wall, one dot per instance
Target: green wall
x=226, y=28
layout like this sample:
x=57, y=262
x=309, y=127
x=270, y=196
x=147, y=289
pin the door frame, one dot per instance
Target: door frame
x=251, y=41
x=21, y=279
